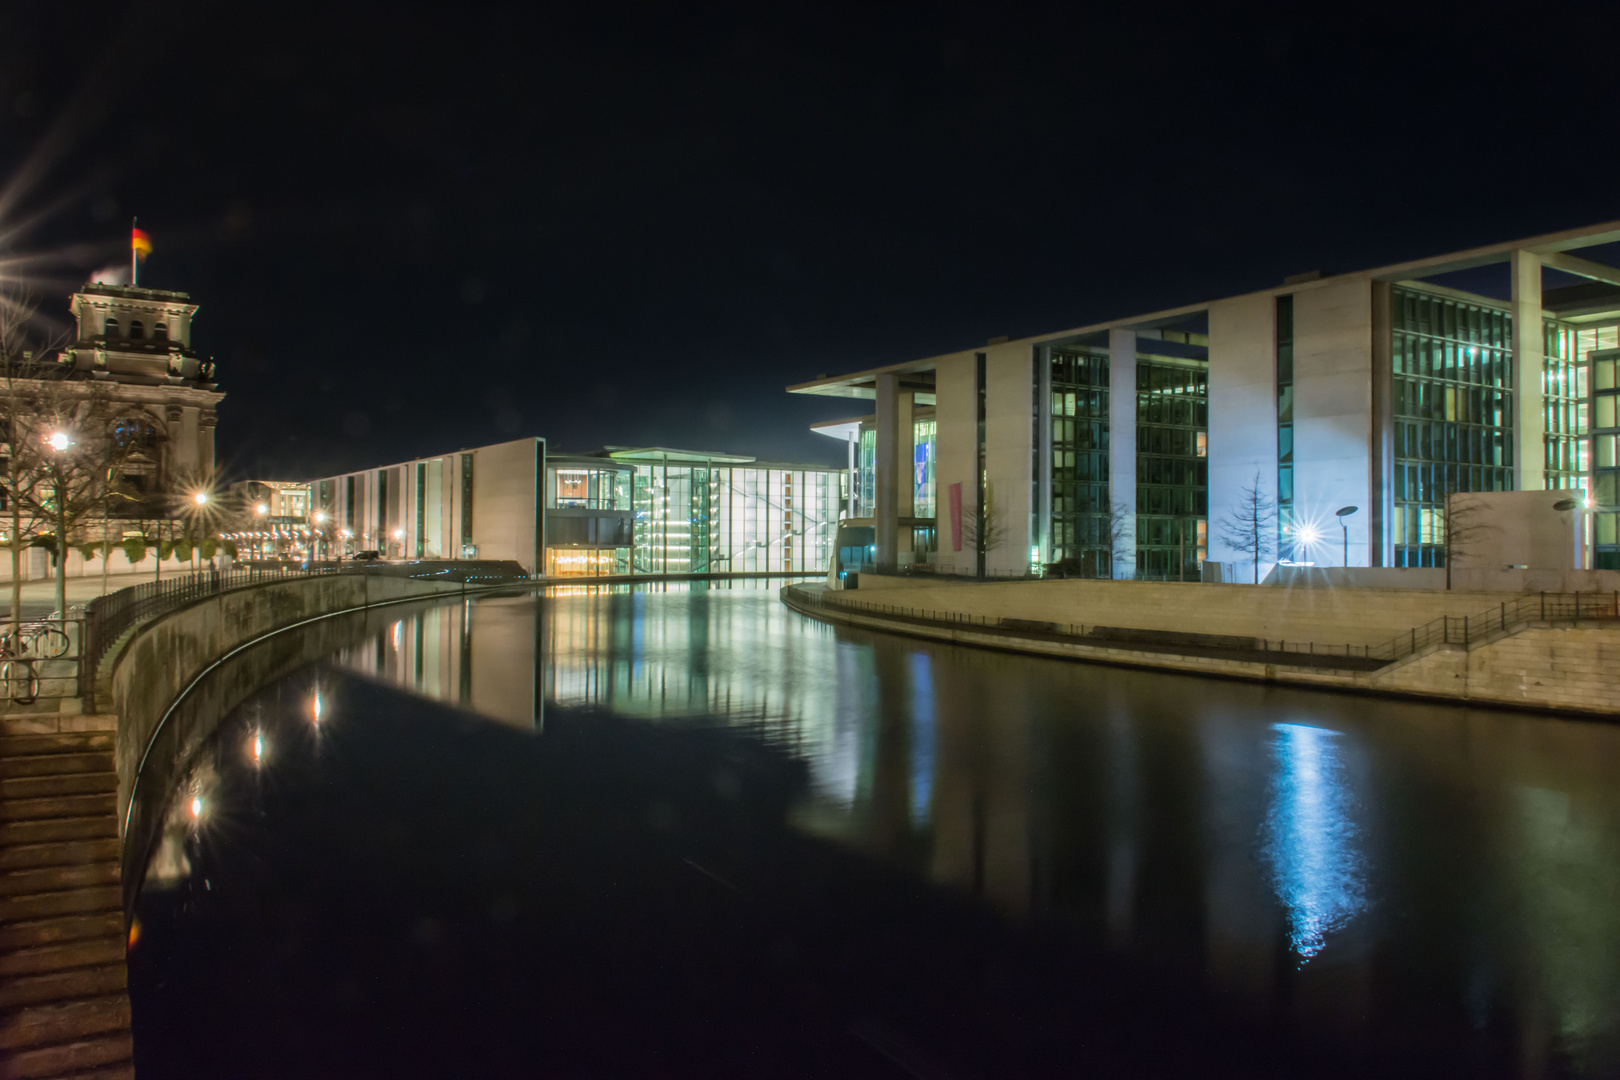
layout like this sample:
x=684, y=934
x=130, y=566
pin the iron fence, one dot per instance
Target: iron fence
x=106, y=618
x=1455, y=629
x=41, y=658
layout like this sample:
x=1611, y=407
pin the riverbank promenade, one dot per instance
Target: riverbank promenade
x=1544, y=651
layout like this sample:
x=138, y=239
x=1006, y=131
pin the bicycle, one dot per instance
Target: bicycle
x=46, y=639
x=19, y=680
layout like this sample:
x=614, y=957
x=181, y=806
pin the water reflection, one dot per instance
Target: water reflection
x=1311, y=836
x=1445, y=880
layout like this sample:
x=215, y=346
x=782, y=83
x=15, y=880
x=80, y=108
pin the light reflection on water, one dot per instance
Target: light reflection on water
x=1361, y=865
x=1311, y=836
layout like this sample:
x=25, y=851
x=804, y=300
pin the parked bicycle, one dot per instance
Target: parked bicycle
x=19, y=681
x=43, y=639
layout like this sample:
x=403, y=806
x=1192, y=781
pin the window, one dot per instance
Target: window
x=136, y=330
x=1453, y=402
x=160, y=331
x=1285, y=428
x=1172, y=471
x=1080, y=503
x=111, y=329
x=466, y=501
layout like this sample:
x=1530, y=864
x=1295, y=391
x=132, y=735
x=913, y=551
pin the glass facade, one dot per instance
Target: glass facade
x=866, y=471
x=697, y=517
x=1172, y=465
x=592, y=488
x=1604, y=401
x=1080, y=499
x=1564, y=402
x=1453, y=406
x=922, y=493
x=1285, y=429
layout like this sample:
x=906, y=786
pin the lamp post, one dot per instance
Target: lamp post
x=318, y=544
x=1341, y=513
x=59, y=442
x=258, y=528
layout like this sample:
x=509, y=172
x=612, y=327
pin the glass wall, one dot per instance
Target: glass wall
x=1080, y=501
x=592, y=488
x=1453, y=405
x=866, y=504
x=697, y=518
x=1605, y=494
x=1285, y=429
x=922, y=495
x=1172, y=465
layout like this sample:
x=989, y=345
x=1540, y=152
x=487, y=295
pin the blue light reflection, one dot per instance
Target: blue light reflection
x=1311, y=837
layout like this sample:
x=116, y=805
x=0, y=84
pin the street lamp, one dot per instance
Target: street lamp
x=1341, y=513
x=201, y=498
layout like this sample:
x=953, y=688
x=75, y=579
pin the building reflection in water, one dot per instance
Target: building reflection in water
x=1402, y=867
x=1311, y=836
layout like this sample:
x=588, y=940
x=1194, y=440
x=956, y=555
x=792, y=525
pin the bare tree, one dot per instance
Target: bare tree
x=1118, y=533
x=1466, y=528
x=1248, y=527
x=987, y=534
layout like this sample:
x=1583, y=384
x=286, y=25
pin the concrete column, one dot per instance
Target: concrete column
x=887, y=512
x=1122, y=442
x=1381, y=486
x=854, y=473
x=1529, y=421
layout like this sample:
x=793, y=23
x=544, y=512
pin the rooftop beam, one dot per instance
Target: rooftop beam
x=1586, y=268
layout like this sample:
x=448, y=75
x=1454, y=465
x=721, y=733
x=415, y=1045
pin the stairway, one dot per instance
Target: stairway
x=63, y=1007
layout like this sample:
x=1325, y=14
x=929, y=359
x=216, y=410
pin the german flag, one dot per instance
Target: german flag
x=140, y=243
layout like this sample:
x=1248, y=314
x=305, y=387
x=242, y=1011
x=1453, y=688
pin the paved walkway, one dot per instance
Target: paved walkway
x=39, y=597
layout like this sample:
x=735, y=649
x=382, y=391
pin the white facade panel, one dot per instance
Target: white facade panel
x=1333, y=418
x=1242, y=415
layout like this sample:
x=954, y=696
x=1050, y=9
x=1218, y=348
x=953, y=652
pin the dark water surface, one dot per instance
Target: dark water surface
x=688, y=833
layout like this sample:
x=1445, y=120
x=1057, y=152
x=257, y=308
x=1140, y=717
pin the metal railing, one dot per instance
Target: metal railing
x=107, y=617
x=1453, y=629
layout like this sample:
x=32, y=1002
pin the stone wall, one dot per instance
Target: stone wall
x=165, y=656
x=1540, y=667
x=1330, y=616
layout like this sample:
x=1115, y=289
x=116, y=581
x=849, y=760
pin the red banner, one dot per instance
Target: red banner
x=956, y=517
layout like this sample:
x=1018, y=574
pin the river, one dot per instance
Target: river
x=669, y=831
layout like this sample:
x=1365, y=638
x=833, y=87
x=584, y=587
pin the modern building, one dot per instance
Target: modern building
x=1128, y=447
x=483, y=503
x=619, y=510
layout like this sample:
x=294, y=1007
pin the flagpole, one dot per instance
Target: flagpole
x=134, y=266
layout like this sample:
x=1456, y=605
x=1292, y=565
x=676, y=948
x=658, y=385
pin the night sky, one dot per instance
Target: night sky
x=417, y=227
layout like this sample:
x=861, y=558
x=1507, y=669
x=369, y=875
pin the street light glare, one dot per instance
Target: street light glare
x=201, y=498
x=261, y=509
x=1308, y=534
x=59, y=440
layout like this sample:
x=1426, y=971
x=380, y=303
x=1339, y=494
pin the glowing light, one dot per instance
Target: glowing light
x=59, y=440
x=196, y=806
x=258, y=747
x=315, y=707
x=261, y=509
x=1311, y=838
x=201, y=498
x=399, y=534
x=320, y=517
x=1307, y=534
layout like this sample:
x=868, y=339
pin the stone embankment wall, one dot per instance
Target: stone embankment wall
x=1540, y=666
x=148, y=672
x=1331, y=616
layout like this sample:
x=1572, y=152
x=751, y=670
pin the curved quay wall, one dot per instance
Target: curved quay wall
x=1557, y=666
x=178, y=675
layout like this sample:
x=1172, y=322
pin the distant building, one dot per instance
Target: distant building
x=137, y=344
x=619, y=510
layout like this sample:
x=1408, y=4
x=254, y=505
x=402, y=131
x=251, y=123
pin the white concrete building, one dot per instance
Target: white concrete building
x=1384, y=390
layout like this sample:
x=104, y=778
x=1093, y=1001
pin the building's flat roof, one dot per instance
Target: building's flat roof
x=132, y=292
x=1553, y=247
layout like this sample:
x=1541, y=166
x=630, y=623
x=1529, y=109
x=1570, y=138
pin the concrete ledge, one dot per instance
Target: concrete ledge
x=57, y=723
x=1542, y=667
